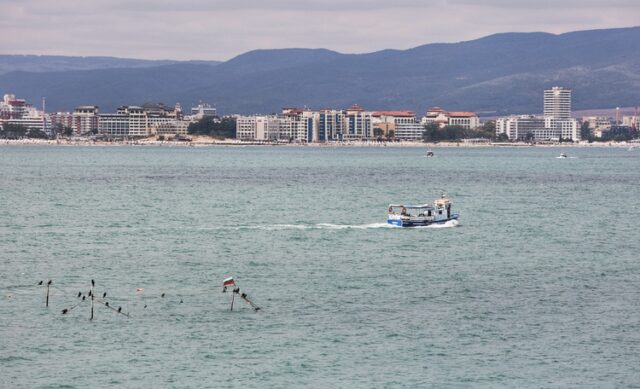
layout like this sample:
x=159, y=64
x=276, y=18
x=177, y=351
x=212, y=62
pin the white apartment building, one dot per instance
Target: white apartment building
x=556, y=123
x=17, y=112
x=399, y=124
x=85, y=119
x=261, y=128
x=12, y=108
x=203, y=110
x=523, y=127
x=557, y=103
x=467, y=120
x=134, y=121
x=631, y=121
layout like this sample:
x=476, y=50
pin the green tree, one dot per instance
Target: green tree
x=431, y=132
x=38, y=134
x=529, y=137
x=454, y=132
x=214, y=126
x=502, y=137
x=585, y=132
x=13, y=131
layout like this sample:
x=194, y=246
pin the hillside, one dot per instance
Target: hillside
x=497, y=74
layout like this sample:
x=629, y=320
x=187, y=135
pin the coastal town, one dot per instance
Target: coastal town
x=22, y=120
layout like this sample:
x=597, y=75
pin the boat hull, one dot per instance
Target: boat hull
x=419, y=222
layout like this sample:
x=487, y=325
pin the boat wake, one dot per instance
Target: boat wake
x=319, y=226
x=331, y=226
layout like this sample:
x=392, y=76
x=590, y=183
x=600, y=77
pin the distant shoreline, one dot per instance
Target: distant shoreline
x=208, y=142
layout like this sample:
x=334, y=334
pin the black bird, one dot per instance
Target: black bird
x=104, y=295
x=119, y=309
x=64, y=311
x=162, y=295
x=93, y=283
x=49, y=283
x=40, y=283
x=83, y=297
x=145, y=305
x=181, y=301
x=79, y=294
x=89, y=293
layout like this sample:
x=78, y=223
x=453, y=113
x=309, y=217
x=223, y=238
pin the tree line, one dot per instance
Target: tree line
x=214, y=127
x=434, y=133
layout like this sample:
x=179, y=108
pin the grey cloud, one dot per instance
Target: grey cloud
x=199, y=29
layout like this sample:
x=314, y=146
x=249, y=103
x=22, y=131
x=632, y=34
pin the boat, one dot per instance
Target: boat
x=562, y=155
x=402, y=215
x=429, y=153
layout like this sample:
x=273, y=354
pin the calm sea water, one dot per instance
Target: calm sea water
x=539, y=285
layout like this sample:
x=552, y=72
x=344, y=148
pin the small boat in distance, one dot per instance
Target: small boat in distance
x=439, y=212
x=562, y=155
x=429, y=153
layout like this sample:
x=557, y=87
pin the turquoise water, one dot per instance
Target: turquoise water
x=539, y=285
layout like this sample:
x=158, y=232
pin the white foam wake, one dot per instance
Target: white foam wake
x=331, y=226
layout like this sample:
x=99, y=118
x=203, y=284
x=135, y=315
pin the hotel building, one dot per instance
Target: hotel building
x=556, y=123
x=467, y=120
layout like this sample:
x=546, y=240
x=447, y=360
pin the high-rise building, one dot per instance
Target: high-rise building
x=557, y=103
x=85, y=119
x=399, y=124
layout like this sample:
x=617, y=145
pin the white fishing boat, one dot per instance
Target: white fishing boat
x=405, y=215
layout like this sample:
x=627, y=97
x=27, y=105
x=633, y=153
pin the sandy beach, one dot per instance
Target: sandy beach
x=203, y=141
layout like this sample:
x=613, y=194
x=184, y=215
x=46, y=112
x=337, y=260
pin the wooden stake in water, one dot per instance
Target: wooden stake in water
x=91, y=292
x=233, y=295
x=48, y=284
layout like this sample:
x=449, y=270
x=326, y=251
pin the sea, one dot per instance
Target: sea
x=538, y=286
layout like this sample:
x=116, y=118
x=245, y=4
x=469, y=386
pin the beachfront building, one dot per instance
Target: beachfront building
x=298, y=125
x=203, y=110
x=631, y=121
x=61, y=120
x=330, y=125
x=136, y=122
x=13, y=108
x=257, y=127
x=18, y=112
x=467, y=120
x=531, y=127
x=357, y=123
x=557, y=103
x=85, y=119
x=556, y=124
x=597, y=124
x=326, y=125
x=292, y=125
x=396, y=124
x=128, y=121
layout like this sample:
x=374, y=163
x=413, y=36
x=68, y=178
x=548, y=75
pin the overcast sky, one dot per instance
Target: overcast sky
x=220, y=30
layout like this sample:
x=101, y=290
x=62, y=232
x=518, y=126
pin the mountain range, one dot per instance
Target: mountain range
x=495, y=75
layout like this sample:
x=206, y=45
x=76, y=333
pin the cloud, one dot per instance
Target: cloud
x=205, y=29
